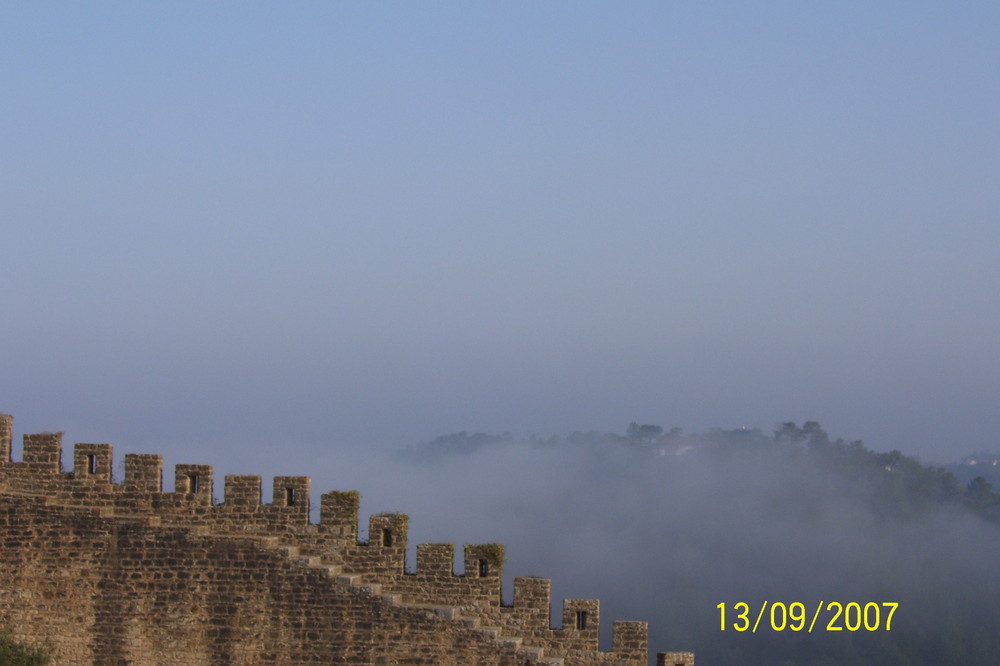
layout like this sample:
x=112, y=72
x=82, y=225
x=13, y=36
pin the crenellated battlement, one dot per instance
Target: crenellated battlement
x=90, y=484
x=182, y=545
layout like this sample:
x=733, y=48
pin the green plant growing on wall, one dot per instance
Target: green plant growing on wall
x=491, y=552
x=13, y=653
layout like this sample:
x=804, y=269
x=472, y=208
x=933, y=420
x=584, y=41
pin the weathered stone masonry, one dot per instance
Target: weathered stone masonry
x=107, y=573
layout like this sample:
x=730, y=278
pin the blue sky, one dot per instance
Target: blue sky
x=235, y=226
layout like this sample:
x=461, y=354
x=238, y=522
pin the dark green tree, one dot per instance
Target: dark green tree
x=643, y=433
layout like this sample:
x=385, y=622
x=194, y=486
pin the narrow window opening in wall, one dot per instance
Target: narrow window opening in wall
x=289, y=496
x=484, y=568
x=581, y=620
x=193, y=483
x=386, y=538
x=91, y=463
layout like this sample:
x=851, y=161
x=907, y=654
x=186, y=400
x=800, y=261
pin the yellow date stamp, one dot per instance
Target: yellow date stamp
x=795, y=616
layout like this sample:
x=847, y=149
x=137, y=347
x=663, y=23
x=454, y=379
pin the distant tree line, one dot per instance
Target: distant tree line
x=897, y=484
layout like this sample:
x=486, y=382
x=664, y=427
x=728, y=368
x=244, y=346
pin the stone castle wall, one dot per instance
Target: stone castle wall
x=107, y=573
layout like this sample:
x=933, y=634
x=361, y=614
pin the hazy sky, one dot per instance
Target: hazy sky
x=235, y=226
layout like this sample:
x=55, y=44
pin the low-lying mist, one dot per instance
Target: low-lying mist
x=666, y=532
